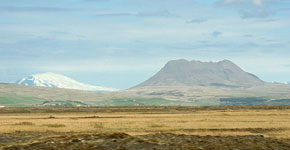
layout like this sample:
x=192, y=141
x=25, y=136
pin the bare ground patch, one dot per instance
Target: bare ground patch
x=122, y=141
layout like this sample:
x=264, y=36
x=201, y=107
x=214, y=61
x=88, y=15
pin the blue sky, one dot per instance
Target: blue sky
x=120, y=43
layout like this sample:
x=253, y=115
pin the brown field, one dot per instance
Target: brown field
x=258, y=127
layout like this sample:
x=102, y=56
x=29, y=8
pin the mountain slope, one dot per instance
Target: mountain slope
x=196, y=73
x=15, y=95
x=59, y=81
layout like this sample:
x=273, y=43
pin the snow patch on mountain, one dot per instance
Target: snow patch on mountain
x=59, y=81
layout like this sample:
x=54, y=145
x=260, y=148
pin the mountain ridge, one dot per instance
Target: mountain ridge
x=191, y=73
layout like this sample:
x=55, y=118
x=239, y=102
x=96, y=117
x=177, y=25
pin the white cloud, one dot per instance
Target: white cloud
x=253, y=8
x=258, y=2
x=260, y=13
x=33, y=9
x=242, y=3
x=197, y=21
x=163, y=13
x=216, y=33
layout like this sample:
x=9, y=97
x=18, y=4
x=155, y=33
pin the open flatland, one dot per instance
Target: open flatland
x=216, y=127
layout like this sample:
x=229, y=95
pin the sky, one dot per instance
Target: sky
x=121, y=43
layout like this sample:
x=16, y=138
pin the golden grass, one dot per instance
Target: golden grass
x=270, y=123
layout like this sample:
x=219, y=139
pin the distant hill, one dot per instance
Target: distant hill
x=14, y=95
x=195, y=73
x=178, y=83
x=59, y=81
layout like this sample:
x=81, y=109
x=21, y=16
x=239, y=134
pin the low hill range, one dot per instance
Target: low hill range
x=179, y=82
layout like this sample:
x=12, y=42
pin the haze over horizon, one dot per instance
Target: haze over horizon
x=120, y=44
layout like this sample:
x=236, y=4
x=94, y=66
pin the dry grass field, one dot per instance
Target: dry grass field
x=20, y=127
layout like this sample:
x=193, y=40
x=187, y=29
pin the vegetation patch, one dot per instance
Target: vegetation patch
x=157, y=125
x=24, y=124
x=253, y=101
x=14, y=100
x=54, y=125
x=98, y=125
x=137, y=101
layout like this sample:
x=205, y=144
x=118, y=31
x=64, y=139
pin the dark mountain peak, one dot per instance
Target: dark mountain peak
x=192, y=73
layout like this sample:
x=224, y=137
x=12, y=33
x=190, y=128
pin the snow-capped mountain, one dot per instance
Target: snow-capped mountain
x=59, y=81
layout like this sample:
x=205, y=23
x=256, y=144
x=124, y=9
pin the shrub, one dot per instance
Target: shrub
x=54, y=125
x=98, y=125
x=24, y=124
